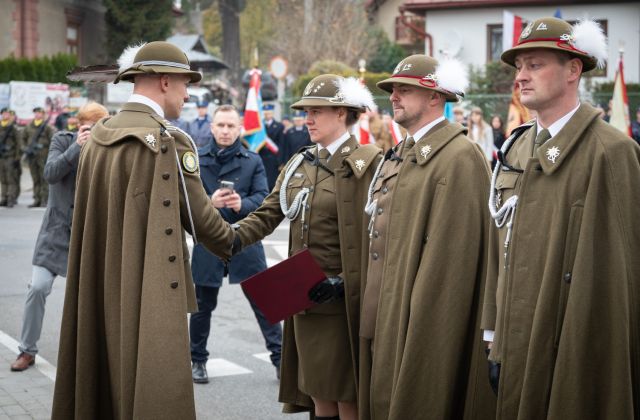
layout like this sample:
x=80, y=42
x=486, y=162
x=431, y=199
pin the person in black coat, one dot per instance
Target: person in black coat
x=271, y=161
x=225, y=161
x=295, y=138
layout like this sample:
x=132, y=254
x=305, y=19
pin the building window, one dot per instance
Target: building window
x=494, y=42
x=72, y=39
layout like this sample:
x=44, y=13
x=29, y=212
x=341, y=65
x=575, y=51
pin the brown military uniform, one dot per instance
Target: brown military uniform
x=320, y=345
x=36, y=141
x=9, y=147
x=129, y=284
x=565, y=303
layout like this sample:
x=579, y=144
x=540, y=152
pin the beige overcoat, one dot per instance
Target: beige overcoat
x=426, y=360
x=565, y=304
x=124, y=345
x=353, y=167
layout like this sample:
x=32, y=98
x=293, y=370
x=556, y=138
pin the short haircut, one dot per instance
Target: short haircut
x=225, y=108
x=92, y=111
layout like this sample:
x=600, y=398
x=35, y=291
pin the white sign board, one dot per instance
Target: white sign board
x=27, y=95
x=120, y=93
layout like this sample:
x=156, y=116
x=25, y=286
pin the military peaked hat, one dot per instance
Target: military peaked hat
x=38, y=109
x=448, y=77
x=585, y=40
x=157, y=57
x=336, y=91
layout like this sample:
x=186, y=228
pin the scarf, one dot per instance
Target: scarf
x=225, y=155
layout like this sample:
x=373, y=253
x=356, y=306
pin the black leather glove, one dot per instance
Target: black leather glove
x=329, y=289
x=494, y=373
x=237, y=243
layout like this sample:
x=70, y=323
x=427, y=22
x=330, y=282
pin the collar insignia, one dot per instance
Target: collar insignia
x=150, y=139
x=553, y=153
x=346, y=149
x=360, y=164
x=425, y=150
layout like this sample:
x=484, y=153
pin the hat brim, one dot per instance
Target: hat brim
x=387, y=86
x=509, y=56
x=129, y=74
x=308, y=102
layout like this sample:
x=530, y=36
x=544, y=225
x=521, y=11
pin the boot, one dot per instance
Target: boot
x=199, y=373
x=34, y=204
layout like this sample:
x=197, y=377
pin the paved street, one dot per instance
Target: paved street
x=243, y=383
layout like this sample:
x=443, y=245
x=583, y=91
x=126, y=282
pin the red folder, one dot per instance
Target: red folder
x=282, y=290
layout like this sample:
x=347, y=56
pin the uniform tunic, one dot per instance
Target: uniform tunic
x=421, y=353
x=565, y=304
x=124, y=347
x=320, y=345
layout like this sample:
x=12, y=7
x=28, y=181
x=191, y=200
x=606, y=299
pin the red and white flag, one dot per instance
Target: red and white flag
x=396, y=134
x=511, y=29
x=362, y=132
x=620, y=103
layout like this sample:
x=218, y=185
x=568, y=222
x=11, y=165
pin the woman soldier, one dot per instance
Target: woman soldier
x=322, y=191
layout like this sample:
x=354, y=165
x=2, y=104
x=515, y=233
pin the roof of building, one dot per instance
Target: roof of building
x=197, y=51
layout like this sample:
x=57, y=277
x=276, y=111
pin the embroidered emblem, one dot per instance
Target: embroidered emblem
x=150, y=139
x=360, y=164
x=541, y=27
x=527, y=31
x=425, y=150
x=346, y=149
x=307, y=90
x=189, y=162
x=553, y=153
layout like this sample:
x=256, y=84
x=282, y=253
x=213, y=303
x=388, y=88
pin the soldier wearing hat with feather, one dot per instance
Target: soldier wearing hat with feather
x=129, y=284
x=563, y=309
x=421, y=349
x=322, y=191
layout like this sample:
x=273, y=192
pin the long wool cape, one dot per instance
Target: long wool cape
x=124, y=346
x=566, y=312
x=428, y=357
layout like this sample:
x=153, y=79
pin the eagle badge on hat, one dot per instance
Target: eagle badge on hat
x=150, y=139
x=527, y=31
x=189, y=162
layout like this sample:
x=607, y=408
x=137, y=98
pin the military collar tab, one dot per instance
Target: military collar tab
x=435, y=139
x=554, y=152
x=361, y=158
x=106, y=136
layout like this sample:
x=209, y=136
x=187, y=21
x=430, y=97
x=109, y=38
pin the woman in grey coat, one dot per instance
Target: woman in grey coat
x=52, y=245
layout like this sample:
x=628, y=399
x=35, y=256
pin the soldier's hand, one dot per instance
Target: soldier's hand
x=84, y=134
x=234, y=202
x=327, y=290
x=219, y=197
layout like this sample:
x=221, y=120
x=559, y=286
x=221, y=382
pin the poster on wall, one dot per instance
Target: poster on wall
x=5, y=95
x=27, y=95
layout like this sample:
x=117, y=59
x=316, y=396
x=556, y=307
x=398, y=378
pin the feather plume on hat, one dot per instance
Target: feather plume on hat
x=451, y=75
x=128, y=56
x=589, y=37
x=355, y=93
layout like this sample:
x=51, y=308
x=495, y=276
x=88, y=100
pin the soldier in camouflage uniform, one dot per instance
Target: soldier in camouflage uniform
x=9, y=144
x=36, y=140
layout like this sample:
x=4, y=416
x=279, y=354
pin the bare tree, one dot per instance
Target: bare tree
x=317, y=30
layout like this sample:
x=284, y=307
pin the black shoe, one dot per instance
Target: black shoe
x=199, y=373
x=34, y=204
x=3, y=203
